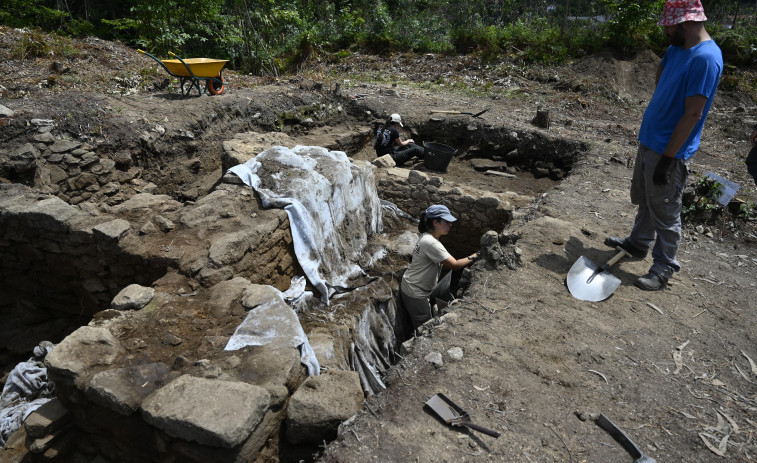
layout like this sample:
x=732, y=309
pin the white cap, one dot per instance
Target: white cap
x=396, y=118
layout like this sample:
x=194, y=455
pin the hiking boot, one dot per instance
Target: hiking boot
x=614, y=242
x=651, y=282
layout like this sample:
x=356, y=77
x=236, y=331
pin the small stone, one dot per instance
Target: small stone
x=407, y=347
x=434, y=358
x=455, y=353
x=148, y=228
x=384, y=161
x=132, y=297
x=415, y=177
x=172, y=340
x=6, y=112
x=164, y=224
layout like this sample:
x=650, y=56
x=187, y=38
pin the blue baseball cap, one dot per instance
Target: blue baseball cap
x=437, y=211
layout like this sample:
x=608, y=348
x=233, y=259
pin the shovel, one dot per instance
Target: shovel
x=588, y=282
x=476, y=115
x=454, y=415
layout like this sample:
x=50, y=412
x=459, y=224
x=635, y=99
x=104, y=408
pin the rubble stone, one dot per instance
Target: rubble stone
x=320, y=404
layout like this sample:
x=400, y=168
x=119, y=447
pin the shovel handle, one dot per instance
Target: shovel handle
x=621, y=254
x=480, y=429
x=445, y=112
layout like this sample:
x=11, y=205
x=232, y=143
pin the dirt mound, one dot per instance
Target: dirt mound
x=632, y=79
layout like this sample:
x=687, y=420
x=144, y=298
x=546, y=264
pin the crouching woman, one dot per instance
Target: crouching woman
x=422, y=275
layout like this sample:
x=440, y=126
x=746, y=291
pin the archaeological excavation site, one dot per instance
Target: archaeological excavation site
x=222, y=286
x=215, y=278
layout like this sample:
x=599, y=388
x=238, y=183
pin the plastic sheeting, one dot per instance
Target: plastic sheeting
x=332, y=204
x=26, y=389
x=274, y=322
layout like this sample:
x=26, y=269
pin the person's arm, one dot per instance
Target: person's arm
x=691, y=115
x=400, y=142
x=457, y=264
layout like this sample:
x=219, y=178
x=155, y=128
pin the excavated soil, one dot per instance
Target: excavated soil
x=671, y=368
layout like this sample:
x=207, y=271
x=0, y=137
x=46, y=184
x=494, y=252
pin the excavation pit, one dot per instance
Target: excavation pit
x=73, y=253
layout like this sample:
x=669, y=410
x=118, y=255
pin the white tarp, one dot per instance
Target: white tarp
x=275, y=323
x=26, y=389
x=332, y=204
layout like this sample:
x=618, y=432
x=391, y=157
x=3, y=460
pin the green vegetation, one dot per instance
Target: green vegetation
x=271, y=36
x=702, y=206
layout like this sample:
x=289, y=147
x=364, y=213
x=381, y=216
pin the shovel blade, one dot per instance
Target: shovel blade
x=585, y=288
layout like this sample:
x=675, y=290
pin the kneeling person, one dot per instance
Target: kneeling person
x=389, y=141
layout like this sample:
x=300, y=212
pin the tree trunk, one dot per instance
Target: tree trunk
x=564, y=19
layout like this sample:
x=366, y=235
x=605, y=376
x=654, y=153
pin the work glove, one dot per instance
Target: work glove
x=661, y=175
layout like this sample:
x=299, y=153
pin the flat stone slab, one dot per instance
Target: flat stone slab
x=83, y=349
x=207, y=411
x=123, y=389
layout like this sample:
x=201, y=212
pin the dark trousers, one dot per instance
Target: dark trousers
x=407, y=152
x=751, y=163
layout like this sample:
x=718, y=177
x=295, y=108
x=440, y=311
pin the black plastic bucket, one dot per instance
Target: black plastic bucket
x=437, y=156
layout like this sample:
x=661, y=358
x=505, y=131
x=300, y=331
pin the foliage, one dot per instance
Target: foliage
x=269, y=36
x=631, y=22
x=739, y=45
x=747, y=210
x=701, y=205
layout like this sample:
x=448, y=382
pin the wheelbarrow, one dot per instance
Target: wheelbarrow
x=194, y=71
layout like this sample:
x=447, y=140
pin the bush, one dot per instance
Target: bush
x=536, y=41
x=739, y=45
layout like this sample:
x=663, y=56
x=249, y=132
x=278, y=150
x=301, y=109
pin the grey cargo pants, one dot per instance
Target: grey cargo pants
x=659, y=211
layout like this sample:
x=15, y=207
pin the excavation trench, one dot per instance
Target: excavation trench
x=208, y=262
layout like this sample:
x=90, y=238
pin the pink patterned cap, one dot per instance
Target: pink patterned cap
x=678, y=11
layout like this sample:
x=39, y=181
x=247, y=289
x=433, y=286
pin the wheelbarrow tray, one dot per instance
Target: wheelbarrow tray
x=200, y=67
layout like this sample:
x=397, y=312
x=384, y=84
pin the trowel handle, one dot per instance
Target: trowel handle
x=481, y=429
x=621, y=254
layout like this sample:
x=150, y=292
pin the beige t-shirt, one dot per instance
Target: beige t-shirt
x=423, y=272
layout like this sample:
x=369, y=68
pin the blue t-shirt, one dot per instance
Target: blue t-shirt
x=686, y=73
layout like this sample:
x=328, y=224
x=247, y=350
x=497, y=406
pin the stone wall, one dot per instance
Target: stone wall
x=71, y=170
x=477, y=211
x=526, y=150
x=60, y=263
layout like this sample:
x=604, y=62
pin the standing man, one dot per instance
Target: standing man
x=687, y=79
x=751, y=158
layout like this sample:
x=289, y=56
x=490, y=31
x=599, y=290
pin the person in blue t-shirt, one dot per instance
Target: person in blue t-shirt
x=687, y=79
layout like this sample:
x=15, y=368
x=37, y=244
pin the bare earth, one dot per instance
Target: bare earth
x=671, y=368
